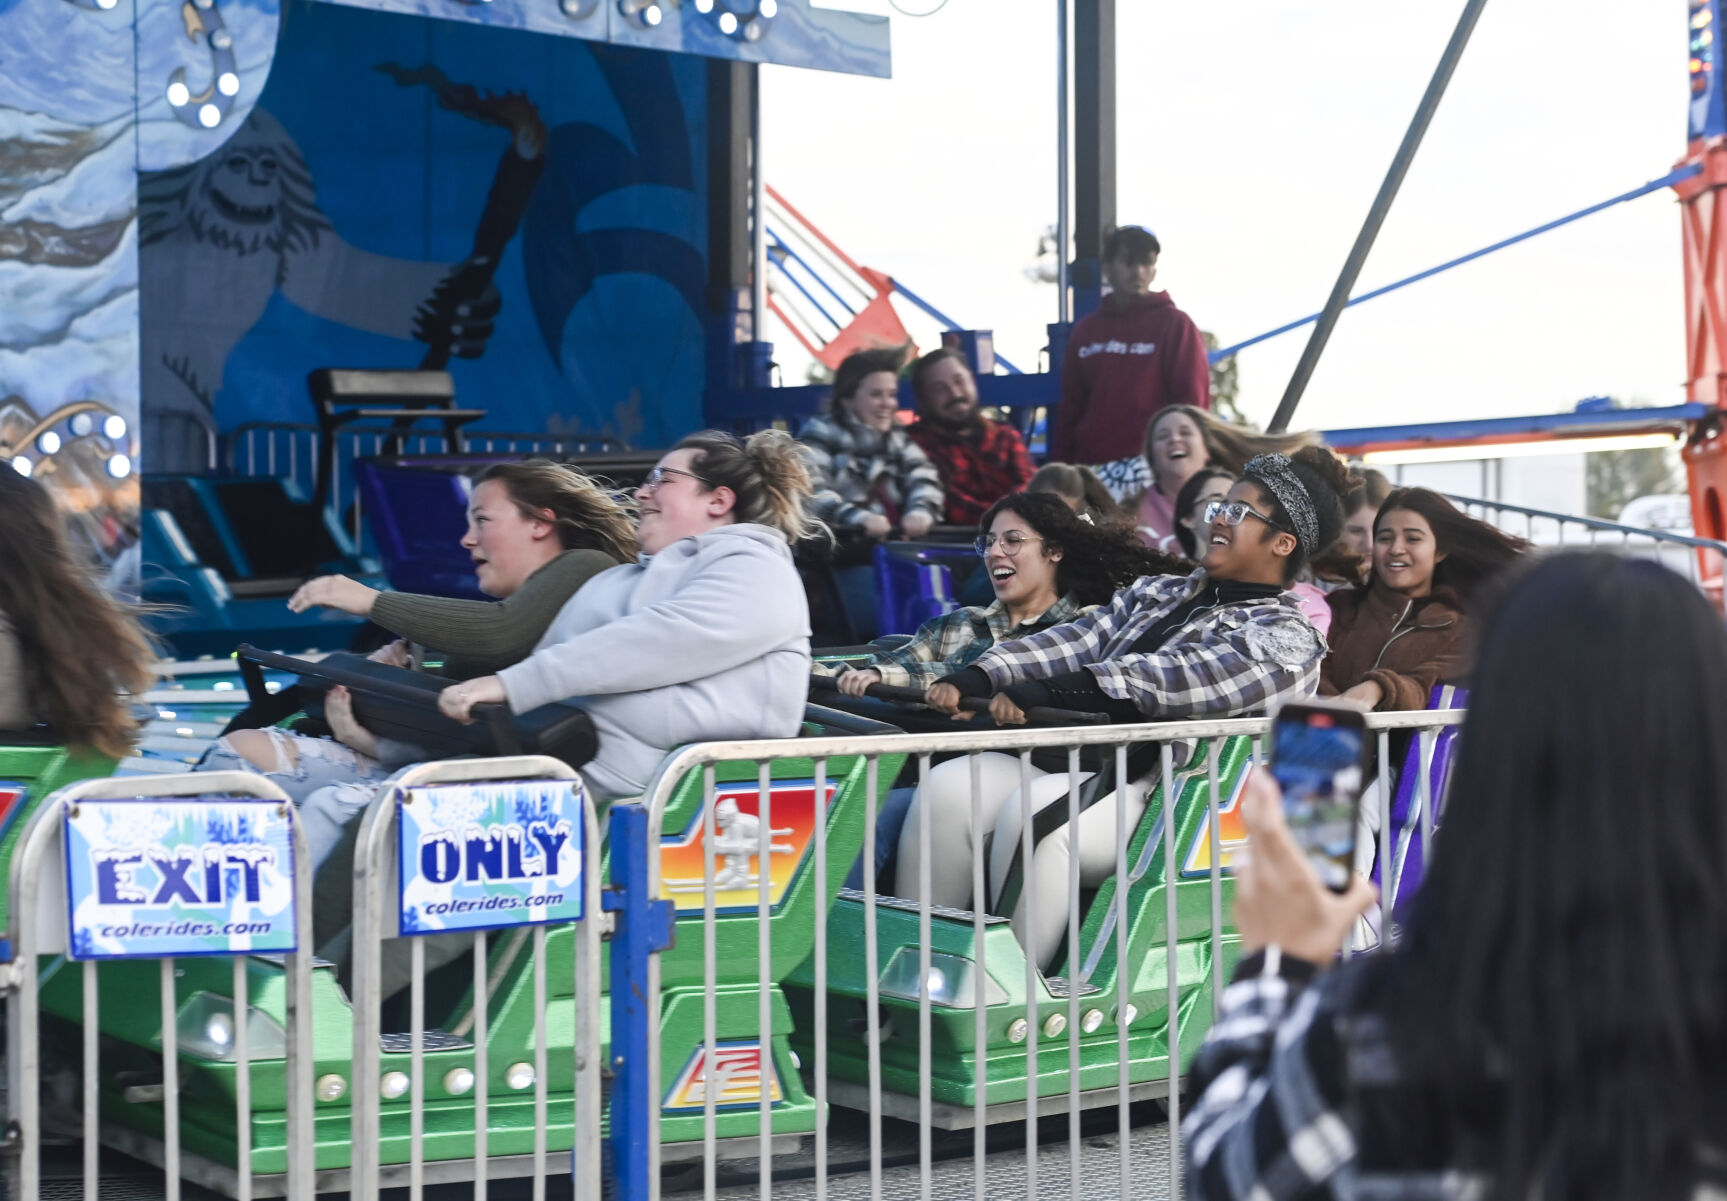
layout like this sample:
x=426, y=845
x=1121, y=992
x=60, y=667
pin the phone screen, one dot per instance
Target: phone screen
x=1316, y=759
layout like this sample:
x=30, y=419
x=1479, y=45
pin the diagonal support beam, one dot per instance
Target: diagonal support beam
x=1364, y=240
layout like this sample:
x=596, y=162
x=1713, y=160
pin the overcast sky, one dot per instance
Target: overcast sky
x=1252, y=137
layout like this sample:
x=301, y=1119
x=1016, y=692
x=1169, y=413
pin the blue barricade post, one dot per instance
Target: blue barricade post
x=643, y=929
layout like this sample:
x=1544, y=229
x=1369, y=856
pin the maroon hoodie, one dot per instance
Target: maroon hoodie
x=1125, y=362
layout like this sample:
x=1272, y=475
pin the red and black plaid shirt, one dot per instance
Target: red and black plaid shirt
x=978, y=466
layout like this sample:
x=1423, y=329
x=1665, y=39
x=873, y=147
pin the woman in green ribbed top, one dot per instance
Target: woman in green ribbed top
x=537, y=532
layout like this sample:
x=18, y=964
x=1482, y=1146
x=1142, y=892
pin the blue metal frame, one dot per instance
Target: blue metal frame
x=643, y=929
x=1611, y=421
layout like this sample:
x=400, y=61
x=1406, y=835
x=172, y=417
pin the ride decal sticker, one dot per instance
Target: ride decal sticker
x=736, y=1079
x=737, y=846
x=156, y=878
x=1231, y=830
x=12, y=794
x=482, y=856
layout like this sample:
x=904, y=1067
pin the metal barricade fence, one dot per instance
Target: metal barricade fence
x=41, y=926
x=1115, y=1045
x=835, y=1039
x=376, y=918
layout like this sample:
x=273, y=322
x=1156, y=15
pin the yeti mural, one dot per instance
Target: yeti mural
x=224, y=235
x=533, y=222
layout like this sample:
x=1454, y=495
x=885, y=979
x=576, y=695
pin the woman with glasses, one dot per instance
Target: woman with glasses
x=870, y=478
x=706, y=636
x=1229, y=639
x=1046, y=566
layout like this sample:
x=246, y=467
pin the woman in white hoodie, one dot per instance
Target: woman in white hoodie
x=705, y=637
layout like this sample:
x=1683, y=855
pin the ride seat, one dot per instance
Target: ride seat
x=418, y=517
x=916, y=581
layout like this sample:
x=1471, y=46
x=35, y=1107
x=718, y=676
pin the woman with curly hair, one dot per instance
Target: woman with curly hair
x=68, y=652
x=1046, y=566
x=1076, y=566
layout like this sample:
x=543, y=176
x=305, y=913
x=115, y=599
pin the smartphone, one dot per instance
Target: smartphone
x=1318, y=758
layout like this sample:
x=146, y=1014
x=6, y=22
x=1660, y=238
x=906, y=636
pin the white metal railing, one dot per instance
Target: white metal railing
x=1700, y=560
x=991, y=1175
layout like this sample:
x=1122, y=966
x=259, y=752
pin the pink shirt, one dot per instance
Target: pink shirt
x=1156, y=521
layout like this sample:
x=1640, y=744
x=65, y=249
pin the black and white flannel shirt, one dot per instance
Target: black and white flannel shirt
x=1238, y=657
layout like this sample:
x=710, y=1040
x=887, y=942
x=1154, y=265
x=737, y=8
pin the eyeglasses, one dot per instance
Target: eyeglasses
x=658, y=475
x=1234, y=512
x=1010, y=543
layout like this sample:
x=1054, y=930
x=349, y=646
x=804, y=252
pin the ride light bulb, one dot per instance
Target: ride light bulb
x=519, y=1076
x=728, y=24
x=1017, y=1030
x=22, y=466
x=114, y=428
x=767, y=10
x=651, y=15
x=48, y=443
x=209, y=116
x=393, y=1085
x=1054, y=1025
x=704, y=6
x=330, y=1088
x=458, y=1082
x=1091, y=1021
x=178, y=94
x=220, y=1029
x=228, y=83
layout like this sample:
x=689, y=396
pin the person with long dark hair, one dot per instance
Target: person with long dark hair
x=1550, y=1024
x=1228, y=639
x=68, y=652
x=1404, y=632
x=1046, y=566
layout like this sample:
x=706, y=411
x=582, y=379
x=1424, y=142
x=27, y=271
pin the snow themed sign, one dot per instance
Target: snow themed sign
x=154, y=878
x=481, y=856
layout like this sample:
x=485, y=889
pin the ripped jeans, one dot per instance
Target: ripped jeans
x=328, y=782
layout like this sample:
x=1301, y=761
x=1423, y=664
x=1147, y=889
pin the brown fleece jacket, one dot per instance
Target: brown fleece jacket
x=1405, y=647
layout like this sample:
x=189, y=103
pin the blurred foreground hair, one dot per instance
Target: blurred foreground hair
x=1558, y=990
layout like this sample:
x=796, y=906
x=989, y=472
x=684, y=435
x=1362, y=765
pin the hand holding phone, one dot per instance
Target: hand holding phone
x=1318, y=758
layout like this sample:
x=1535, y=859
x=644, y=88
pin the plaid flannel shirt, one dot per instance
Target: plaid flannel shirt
x=975, y=472
x=943, y=645
x=1295, y=1086
x=856, y=469
x=1239, y=657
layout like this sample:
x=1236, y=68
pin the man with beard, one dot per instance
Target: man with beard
x=980, y=460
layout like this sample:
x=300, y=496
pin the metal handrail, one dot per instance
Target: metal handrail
x=1595, y=523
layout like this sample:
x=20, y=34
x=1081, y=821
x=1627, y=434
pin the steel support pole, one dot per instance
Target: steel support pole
x=1094, y=150
x=1364, y=240
x=758, y=217
x=1064, y=304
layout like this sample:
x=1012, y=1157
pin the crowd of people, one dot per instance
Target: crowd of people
x=1546, y=1025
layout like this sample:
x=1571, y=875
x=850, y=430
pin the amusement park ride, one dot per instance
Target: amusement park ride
x=1140, y=974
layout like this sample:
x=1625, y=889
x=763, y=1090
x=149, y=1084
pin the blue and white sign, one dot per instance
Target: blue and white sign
x=480, y=856
x=157, y=878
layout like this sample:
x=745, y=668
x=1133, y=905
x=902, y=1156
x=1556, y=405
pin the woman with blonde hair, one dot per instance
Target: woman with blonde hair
x=69, y=654
x=1178, y=442
x=705, y=637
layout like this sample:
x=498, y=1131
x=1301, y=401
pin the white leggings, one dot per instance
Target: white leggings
x=946, y=794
